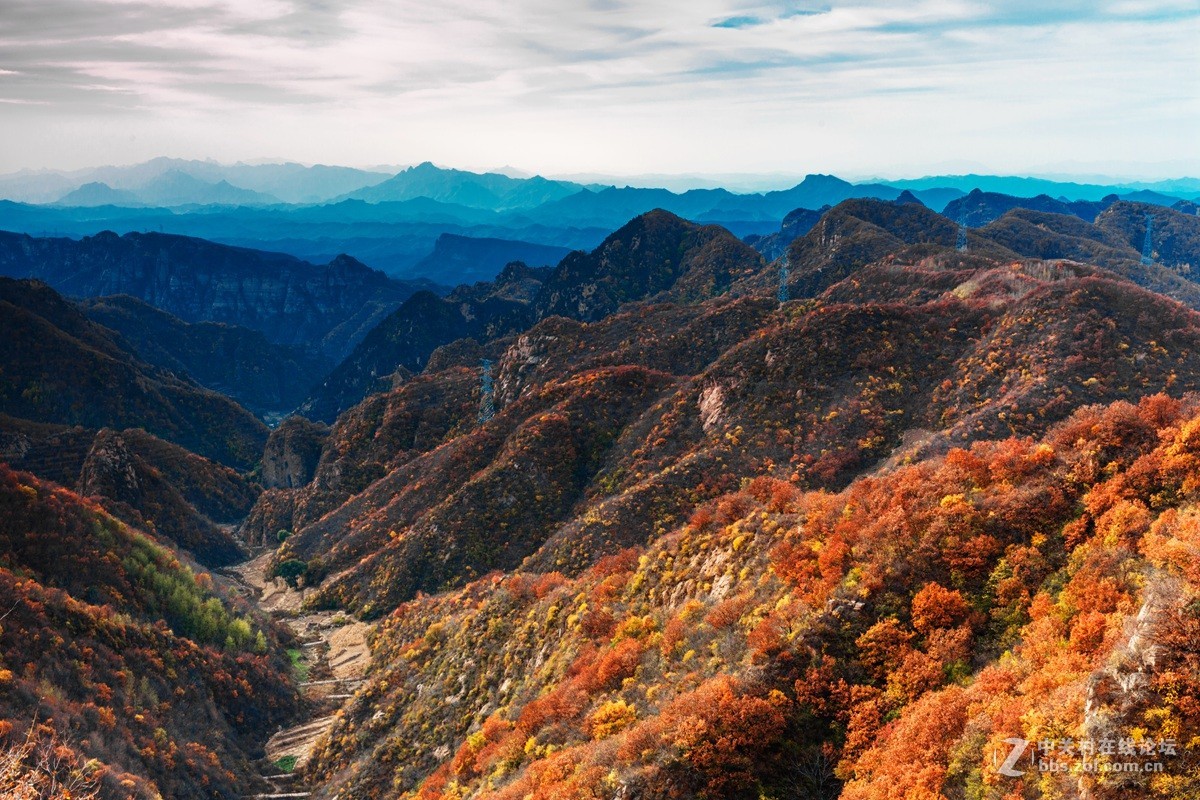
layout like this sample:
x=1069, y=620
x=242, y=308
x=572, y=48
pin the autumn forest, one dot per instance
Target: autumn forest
x=884, y=504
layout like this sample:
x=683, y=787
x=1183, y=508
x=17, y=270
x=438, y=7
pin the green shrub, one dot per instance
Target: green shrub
x=290, y=571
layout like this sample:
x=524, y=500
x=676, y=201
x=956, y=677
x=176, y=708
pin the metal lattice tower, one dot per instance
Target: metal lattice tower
x=783, y=294
x=1148, y=242
x=961, y=244
x=487, y=403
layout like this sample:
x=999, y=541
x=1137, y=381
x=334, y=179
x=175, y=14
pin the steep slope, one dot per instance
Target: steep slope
x=326, y=308
x=1175, y=236
x=403, y=343
x=712, y=548
x=732, y=547
x=154, y=681
x=795, y=224
x=818, y=393
x=61, y=368
x=164, y=490
x=155, y=485
x=267, y=378
x=858, y=232
x=656, y=256
x=881, y=642
x=740, y=626
x=1114, y=242
x=375, y=437
x=292, y=454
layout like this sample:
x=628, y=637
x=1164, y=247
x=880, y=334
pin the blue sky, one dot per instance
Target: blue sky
x=686, y=86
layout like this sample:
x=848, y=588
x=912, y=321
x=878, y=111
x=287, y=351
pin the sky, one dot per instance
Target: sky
x=707, y=87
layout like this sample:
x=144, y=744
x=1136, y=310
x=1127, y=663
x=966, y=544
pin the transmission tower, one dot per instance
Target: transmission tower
x=487, y=403
x=783, y=281
x=961, y=244
x=1148, y=242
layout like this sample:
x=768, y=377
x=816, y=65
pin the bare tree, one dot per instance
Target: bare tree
x=43, y=767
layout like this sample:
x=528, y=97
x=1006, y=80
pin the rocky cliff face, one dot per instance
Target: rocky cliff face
x=326, y=308
x=292, y=452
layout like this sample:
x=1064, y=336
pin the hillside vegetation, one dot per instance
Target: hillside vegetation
x=154, y=681
x=717, y=546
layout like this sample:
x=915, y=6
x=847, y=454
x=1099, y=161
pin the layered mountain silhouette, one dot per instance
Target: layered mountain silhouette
x=490, y=190
x=797, y=223
x=97, y=193
x=157, y=450
x=979, y=208
x=288, y=182
x=62, y=368
x=324, y=309
x=392, y=221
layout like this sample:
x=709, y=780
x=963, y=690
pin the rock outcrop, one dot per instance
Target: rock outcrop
x=292, y=453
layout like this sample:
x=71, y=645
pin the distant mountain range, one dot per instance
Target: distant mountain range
x=279, y=183
x=490, y=191
x=1158, y=192
x=472, y=259
x=391, y=236
x=393, y=221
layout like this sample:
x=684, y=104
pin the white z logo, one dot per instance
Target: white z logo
x=1018, y=750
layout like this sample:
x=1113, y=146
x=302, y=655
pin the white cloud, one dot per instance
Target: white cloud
x=869, y=86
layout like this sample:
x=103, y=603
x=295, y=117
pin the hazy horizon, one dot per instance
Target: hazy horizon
x=747, y=182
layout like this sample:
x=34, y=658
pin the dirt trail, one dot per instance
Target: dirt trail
x=331, y=660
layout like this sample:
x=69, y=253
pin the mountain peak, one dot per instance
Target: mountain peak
x=344, y=261
x=821, y=179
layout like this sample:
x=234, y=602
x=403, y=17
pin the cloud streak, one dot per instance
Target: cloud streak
x=964, y=78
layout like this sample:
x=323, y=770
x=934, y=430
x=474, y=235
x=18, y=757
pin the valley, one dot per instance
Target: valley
x=329, y=661
x=830, y=512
